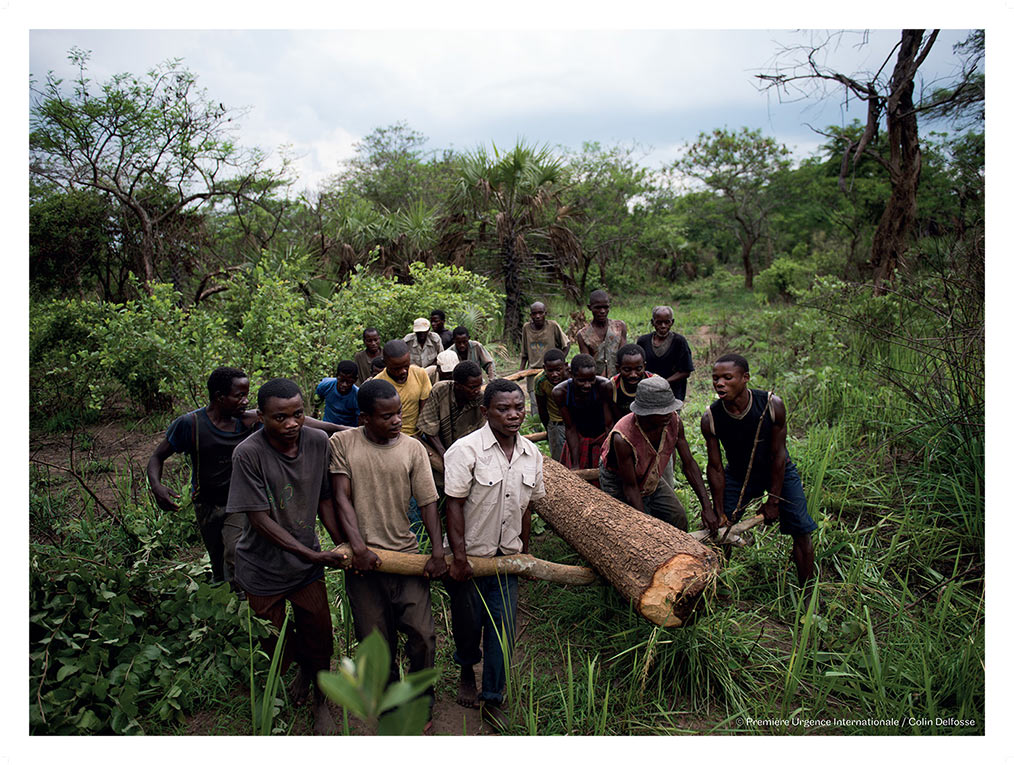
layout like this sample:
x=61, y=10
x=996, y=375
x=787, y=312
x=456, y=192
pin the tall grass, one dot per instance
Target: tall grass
x=894, y=627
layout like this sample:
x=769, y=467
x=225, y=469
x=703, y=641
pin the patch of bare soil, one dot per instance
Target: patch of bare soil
x=710, y=342
x=111, y=451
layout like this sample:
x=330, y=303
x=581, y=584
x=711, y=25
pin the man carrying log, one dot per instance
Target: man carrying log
x=490, y=476
x=585, y=406
x=630, y=363
x=279, y=482
x=639, y=448
x=208, y=436
x=375, y=470
x=453, y=409
x=410, y=381
x=749, y=424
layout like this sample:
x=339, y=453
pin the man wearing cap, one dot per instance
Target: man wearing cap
x=443, y=367
x=423, y=345
x=638, y=448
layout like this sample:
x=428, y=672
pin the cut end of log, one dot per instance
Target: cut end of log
x=681, y=576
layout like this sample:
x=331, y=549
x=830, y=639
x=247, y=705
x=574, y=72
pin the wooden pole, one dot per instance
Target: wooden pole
x=527, y=566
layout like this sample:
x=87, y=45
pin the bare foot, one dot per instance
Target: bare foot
x=323, y=722
x=299, y=688
x=468, y=696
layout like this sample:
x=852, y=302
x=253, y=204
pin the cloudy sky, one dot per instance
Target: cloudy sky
x=321, y=91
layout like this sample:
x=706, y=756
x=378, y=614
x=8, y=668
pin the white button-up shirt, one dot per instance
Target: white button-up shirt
x=496, y=491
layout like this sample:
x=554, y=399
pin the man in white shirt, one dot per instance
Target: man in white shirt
x=490, y=476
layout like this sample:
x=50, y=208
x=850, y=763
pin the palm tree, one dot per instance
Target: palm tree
x=518, y=190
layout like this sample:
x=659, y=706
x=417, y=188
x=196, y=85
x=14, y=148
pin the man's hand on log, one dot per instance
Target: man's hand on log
x=461, y=570
x=710, y=520
x=365, y=560
x=332, y=558
x=770, y=510
x=435, y=567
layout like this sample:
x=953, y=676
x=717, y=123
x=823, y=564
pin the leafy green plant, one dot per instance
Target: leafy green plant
x=783, y=279
x=360, y=687
x=263, y=710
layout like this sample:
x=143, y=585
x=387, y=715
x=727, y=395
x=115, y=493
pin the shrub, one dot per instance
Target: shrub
x=783, y=279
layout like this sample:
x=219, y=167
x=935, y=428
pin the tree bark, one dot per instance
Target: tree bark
x=659, y=568
x=890, y=240
x=512, y=290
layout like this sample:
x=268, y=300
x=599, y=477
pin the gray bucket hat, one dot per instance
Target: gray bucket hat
x=654, y=396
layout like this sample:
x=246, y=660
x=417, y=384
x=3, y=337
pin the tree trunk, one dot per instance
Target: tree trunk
x=890, y=240
x=659, y=568
x=512, y=290
x=747, y=243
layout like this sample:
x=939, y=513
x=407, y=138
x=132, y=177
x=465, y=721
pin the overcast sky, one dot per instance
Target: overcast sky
x=321, y=91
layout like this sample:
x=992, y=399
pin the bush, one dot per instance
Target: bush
x=368, y=300
x=61, y=374
x=783, y=279
x=161, y=353
x=124, y=638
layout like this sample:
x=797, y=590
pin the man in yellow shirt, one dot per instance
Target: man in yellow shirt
x=411, y=382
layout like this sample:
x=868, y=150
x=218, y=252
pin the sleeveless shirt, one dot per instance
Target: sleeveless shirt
x=586, y=415
x=621, y=397
x=736, y=435
x=649, y=463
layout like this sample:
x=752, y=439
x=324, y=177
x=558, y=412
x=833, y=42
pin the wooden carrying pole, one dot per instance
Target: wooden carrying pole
x=523, y=565
x=659, y=568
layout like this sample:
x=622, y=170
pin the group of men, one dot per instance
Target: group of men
x=402, y=448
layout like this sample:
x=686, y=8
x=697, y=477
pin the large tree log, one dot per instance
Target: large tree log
x=527, y=566
x=659, y=568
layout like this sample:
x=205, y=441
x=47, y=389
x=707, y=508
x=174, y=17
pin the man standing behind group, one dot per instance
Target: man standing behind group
x=209, y=435
x=490, y=477
x=375, y=471
x=667, y=353
x=410, y=381
x=538, y=336
x=423, y=345
x=280, y=482
x=371, y=351
x=472, y=350
x=604, y=336
x=438, y=324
